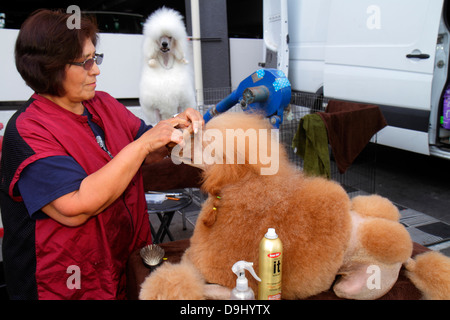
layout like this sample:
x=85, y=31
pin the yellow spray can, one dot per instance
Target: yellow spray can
x=270, y=262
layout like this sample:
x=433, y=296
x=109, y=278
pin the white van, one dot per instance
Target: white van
x=394, y=54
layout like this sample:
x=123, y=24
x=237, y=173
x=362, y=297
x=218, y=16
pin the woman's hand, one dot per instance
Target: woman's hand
x=191, y=120
x=170, y=132
x=194, y=119
x=164, y=133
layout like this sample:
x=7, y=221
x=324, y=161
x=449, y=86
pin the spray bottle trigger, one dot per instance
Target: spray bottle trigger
x=238, y=269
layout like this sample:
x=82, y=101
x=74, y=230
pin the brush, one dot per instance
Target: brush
x=152, y=255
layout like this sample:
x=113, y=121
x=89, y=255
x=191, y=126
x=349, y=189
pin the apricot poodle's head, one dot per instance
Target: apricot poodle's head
x=232, y=146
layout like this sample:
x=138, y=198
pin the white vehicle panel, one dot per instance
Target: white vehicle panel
x=379, y=86
x=119, y=73
x=377, y=36
x=404, y=139
x=12, y=86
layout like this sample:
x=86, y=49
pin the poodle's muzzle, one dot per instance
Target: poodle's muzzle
x=165, y=44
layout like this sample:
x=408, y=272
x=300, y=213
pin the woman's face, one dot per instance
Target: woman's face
x=80, y=83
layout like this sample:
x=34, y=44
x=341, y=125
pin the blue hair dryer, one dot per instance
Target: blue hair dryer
x=267, y=91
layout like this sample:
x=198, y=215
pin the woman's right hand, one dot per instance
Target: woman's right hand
x=163, y=134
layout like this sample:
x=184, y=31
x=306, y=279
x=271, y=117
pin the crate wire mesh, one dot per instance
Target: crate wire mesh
x=359, y=177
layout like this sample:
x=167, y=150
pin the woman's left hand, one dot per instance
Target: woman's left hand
x=194, y=119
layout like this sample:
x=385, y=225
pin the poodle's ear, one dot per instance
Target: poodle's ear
x=209, y=218
x=150, y=49
x=178, y=50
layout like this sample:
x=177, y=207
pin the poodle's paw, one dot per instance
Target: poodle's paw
x=173, y=282
x=430, y=272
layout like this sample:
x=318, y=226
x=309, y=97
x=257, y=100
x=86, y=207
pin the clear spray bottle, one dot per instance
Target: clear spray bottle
x=242, y=290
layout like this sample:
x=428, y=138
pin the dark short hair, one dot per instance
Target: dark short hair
x=45, y=45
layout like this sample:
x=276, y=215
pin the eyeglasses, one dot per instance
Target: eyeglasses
x=89, y=63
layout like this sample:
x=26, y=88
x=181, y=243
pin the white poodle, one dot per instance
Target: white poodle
x=167, y=84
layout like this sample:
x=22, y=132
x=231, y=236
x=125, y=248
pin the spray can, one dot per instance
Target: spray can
x=270, y=261
x=446, y=110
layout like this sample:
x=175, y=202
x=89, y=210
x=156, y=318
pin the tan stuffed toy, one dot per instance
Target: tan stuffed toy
x=324, y=233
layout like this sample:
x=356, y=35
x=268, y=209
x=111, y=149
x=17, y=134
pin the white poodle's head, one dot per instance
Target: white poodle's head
x=165, y=36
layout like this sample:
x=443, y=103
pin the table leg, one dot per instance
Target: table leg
x=163, y=230
x=168, y=217
x=154, y=239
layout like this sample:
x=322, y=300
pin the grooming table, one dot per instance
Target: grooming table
x=165, y=212
x=137, y=272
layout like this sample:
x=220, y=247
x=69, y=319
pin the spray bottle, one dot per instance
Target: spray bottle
x=242, y=291
x=270, y=258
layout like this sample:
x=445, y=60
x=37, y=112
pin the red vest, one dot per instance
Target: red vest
x=85, y=262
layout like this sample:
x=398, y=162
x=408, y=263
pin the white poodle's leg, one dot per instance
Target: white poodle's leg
x=152, y=116
x=158, y=116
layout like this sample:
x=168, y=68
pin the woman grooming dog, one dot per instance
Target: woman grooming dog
x=72, y=198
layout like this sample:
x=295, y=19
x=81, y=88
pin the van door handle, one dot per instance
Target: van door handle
x=418, y=56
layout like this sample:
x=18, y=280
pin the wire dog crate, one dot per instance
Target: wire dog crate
x=359, y=177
